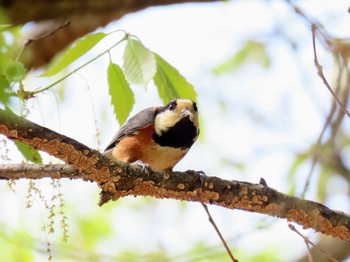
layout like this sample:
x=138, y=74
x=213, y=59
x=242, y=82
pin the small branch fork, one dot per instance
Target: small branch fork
x=45, y=35
x=321, y=74
x=316, y=26
x=308, y=243
x=117, y=179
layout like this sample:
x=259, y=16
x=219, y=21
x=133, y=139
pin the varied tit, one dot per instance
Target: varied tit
x=157, y=136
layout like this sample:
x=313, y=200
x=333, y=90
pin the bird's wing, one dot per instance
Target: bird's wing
x=137, y=122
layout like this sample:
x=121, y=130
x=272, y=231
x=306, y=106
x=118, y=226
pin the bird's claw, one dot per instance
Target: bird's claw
x=145, y=167
x=193, y=172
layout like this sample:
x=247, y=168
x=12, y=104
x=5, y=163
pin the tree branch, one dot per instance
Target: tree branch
x=84, y=17
x=17, y=10
x=118, y=179
x=31, y=171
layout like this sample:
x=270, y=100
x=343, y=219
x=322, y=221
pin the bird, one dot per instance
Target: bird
x=157, y=137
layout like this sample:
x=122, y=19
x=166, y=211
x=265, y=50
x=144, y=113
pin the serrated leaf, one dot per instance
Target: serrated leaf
x=79, y=49
x=29, y=152
x=251, y=52
x=15, y=72
x=170, y=83
x=120, y=92
x=139, y=63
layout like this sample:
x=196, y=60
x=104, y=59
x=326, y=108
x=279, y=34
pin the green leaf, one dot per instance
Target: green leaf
x=15, y=72
x=79, y=49
x=4, y=62
x=251, y=52
x=121, y=93
x=4, y=27
x=322, y=184
x=4, y=90
x=4, y=82
x=29, y=152
x=299, y=160
x=170, y=83
x=139, y=63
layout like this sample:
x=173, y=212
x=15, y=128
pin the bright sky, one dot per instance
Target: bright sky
x=270, y=115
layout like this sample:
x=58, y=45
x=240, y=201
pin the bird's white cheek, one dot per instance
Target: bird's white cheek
x=164, y=121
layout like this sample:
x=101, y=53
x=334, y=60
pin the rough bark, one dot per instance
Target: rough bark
x=38, y=171
x=84, y=16
x=118, y=179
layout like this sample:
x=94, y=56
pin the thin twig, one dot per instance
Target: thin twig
x=331, y=114
x=27, y=42
x=309, y=255
x=59, y=27
x=333, y=125
x=320, y=72
x=211, y=220
x=325, y=36
x=309, y=242
x=317, y=145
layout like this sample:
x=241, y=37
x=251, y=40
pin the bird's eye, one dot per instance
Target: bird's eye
x=172, y=106
x=195, y=107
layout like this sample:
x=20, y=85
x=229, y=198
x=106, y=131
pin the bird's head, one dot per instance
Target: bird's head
x=177, y=121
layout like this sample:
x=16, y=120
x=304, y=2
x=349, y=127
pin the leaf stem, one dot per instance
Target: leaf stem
x=80, y=67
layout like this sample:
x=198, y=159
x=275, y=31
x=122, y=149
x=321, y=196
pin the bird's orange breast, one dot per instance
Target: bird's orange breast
x=141, y=146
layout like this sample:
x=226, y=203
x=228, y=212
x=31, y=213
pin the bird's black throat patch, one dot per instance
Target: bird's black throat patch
x=181, y=135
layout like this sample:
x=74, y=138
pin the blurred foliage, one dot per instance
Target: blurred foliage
x=16, y=245
x=268, y=255
x=252, y=52
x=11, y=71
x=140, y=66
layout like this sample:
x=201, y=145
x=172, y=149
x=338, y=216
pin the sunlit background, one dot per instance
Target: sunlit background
x=258, y=115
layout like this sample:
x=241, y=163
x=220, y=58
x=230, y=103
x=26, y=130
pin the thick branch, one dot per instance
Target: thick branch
x=17, y=10
x=84, y=16
x=118, y=180
x=17, y=171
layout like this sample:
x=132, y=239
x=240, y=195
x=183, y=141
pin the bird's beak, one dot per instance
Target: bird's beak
x=186, y=113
